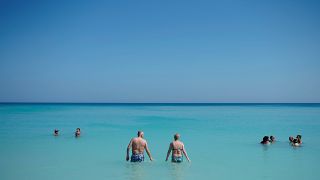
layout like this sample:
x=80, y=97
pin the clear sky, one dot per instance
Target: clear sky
x=160, y=51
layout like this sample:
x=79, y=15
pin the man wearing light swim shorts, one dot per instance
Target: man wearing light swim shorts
x=138, y=145
x=177, y=148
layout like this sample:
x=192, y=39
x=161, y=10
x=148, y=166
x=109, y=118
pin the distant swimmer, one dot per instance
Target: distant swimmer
x=138, y=145
x=296, y=141
x=272, y=139
x=178, y=149
x=56, y=132
x=78, y=132
x=265, y=140
x=299, y=139
x=291, y=139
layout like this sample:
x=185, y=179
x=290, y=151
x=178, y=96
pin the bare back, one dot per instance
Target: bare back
x=138, y=145
x=177, y=148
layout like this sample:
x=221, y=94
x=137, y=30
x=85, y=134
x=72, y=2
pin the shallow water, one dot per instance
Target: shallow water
x=222, y=141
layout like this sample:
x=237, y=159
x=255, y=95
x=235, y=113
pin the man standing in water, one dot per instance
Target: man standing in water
x=138, y=145
x=177, y=148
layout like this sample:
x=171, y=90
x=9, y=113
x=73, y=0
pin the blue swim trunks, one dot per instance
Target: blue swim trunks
x=177, y=159
x=137, y=157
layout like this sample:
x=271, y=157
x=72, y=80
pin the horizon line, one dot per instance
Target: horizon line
x=159, y=102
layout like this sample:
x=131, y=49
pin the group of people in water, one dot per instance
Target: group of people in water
x=293, y=141
x=139, y=145
x=176, y=148
x=296, y=141
x=77, y=133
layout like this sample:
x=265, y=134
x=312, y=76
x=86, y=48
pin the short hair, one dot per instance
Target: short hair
x=176, y=136
x=139, y=133
x=299, y=136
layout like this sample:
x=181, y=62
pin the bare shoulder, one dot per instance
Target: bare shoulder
x=134, y=139
x=144, y=141
x=181, y=143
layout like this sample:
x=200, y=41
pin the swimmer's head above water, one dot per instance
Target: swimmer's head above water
x=176, y=137
x=299, y=139
x=299, y=136
x=140, y=134
x=78, y=132
x=272, y=139
x=265, y=140
x=291, y=139
x=56, y=132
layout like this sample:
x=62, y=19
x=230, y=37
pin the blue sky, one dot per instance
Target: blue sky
x=160, y=51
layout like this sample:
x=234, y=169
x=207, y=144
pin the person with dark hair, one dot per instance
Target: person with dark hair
x=299, y=139
x=138, y=145
x=56, y=132
x=291, y=139
x=178, y=150
x=265, y=140
x=272, y=139
x=77, y=133
x=295, y=141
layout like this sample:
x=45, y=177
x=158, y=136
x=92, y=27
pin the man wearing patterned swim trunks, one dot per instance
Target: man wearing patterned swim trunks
x=138, y=145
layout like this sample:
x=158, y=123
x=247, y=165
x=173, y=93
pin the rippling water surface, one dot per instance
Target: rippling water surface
x=222, y=141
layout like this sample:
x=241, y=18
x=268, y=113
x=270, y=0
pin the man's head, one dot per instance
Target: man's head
x=140, y=134
x=176, y=136
x=266, y=138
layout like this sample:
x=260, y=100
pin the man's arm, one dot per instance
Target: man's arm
x=169, y=151
x=128, y=149
x=185, y=153
x=148, y=151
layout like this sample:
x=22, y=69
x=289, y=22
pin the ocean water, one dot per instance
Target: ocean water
x=222, y=141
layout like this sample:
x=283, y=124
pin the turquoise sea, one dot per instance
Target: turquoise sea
x=222, y=141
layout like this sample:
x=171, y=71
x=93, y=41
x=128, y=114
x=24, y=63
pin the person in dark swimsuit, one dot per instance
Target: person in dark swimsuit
x=178, y=150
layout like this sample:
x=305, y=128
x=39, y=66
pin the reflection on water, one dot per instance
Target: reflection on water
x=136, y=171
x=178, y=171
x=220, y=140
x=151, y=170
x=265, y=146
